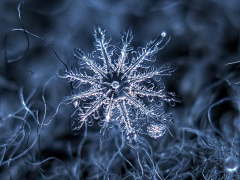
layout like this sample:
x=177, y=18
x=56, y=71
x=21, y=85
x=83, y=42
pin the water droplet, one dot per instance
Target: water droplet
x=163, y=34
x=231, y=164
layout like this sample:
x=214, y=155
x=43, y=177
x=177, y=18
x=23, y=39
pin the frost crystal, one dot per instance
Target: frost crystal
x=123, y=91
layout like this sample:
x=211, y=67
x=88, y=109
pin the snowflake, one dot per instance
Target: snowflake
x=123, y=91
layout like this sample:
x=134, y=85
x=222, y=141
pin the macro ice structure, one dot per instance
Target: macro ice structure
x=116, y=86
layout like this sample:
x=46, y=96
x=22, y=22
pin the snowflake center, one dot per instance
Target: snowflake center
x=115, y=84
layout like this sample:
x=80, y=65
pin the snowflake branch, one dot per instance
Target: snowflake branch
x=139, y=105
x=83, y=78
x=86, y=94
x=95, y=106
x=104, y=50
x=125, y=117
x=124, y=48
x=165, y=70
x=146, y=53
x=86, y=58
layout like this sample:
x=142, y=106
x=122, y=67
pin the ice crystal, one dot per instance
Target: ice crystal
x=122, y=90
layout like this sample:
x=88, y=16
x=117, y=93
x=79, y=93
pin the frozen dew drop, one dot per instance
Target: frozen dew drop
x=231, y=164
x=163, y=34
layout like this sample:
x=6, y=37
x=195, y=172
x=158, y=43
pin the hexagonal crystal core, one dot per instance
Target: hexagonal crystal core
x=115, y=84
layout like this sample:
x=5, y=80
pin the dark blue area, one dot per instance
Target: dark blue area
x=36, y=139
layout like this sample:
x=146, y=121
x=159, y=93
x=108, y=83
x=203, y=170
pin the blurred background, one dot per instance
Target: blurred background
x=205, y=45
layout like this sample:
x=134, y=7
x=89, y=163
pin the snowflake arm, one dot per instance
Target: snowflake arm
x=146, y=54
x=79, y=77
x=125, y=119
x=103, y=51
x=109, y=110
x=108, y=119
x=139, y=105
x=94, y=107
x=123, y=48
x=155, y=92
x=81, y=95
x=165, y=70
x=86, y=59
